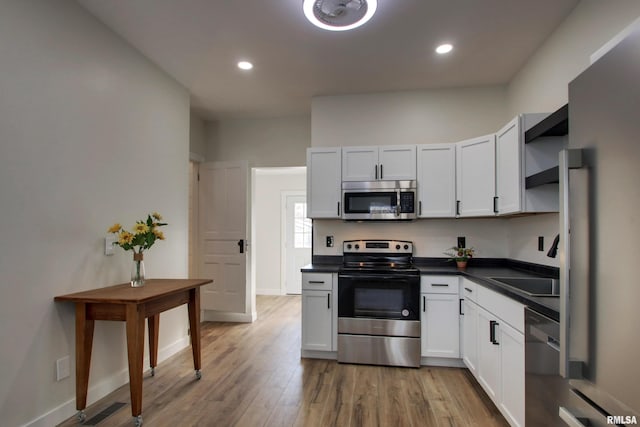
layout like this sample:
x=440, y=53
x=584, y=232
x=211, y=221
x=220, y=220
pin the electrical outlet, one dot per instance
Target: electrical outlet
x=329, y=241
x=462, y=242
x=541, y=243
x=62, y=368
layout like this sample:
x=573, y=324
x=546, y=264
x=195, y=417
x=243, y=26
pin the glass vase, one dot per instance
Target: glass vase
x=137, y=271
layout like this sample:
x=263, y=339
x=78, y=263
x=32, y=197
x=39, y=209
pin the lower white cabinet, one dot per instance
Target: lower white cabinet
x=494, y=351
x=318, y=320
x=513, y=375
x=469, y=335
x=440, y=317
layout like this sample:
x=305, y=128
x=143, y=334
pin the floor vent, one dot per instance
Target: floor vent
x=104, y=414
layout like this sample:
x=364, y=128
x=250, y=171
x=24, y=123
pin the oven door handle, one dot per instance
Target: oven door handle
x=376, y=276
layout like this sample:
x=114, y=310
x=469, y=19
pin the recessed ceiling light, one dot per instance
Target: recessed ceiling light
x=339, y=15
x=444, y=48
x=245, y=65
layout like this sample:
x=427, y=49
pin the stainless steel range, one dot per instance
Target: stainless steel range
x=379, y=304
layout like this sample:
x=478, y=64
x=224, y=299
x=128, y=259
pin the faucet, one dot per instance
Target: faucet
x=553, y=251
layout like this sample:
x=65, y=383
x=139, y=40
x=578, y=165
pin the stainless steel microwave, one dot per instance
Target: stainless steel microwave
x=378, y=200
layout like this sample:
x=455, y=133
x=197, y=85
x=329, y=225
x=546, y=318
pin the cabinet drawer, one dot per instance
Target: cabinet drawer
x=439, y=284
x=468, y=289
x=503, y=307
x=317, y=281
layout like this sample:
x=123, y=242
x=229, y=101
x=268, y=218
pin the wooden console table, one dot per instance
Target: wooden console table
x=132, y=305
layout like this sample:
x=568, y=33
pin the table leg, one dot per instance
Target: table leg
x=135, y=351
x=154, y=328
x=194, y=326
x=84, y=342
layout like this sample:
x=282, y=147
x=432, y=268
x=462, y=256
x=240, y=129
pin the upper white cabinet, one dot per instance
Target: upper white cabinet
x=475, y=177
x=437, y=180
x=516, y=160
x=388, y=163
x=323, y=182
x=509, y=166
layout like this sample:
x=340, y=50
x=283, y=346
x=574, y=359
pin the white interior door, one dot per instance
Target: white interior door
x=297, y=240
x=223, y=234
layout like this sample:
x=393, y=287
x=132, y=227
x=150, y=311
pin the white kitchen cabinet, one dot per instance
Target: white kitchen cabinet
x=440, y=319
x=316, y=320
x=387, y=163
x=475, y=177
x=515, y=161
x=436, y=175
x=319, y=327
x=493, y=348
x=324, y=182
x=488, y=354
x=512, y=375
x=469, y=335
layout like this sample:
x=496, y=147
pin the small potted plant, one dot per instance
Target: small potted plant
x=460, y=255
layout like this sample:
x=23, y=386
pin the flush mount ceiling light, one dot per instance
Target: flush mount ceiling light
x=444, y=48
x=339, y=15
x=245, y=65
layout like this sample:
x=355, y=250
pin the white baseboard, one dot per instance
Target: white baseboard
x=97, y=391
x=315, y=354
x=442, y=361
x=223, y=316
x=269, y=291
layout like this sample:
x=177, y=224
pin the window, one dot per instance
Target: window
x=301, y=226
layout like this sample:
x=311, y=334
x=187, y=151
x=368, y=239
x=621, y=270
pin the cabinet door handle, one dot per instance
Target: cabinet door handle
x=317, y=282
x=468, y=290
x=338, y=208
x=329, y=301
x=424, y=304
x=492, y=332
x=440, y=285
x=241, y=245
x=495, y=204
x=457, y=207
x=376, y=168
x=420, y=207
x=460, y=307
x=381, y=174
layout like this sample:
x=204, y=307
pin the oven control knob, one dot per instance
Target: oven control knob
x=397, y=247
x=405, y=313
x=349, y=246
x=406, y=247
x=357, y=246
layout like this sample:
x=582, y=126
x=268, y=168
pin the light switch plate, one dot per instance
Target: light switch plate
x=109, y=242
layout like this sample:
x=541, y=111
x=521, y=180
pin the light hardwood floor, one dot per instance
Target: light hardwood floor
x=253, y=376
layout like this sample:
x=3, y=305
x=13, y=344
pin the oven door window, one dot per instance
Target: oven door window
x=370, y=202
x=379, y=303
x=374, y=297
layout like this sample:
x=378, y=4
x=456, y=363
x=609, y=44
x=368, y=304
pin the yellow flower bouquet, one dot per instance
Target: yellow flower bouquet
x=141, y=237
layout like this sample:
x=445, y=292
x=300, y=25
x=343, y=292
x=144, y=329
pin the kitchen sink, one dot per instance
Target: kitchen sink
x=532, y=286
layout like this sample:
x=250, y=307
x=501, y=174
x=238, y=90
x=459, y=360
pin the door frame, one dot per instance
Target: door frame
x=283, y=235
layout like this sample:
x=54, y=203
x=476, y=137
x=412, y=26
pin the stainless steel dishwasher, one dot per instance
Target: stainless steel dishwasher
x=545, y=389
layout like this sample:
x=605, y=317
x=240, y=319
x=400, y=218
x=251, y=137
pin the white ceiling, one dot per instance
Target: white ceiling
x=199, y=42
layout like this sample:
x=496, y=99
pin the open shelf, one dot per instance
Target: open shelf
x=549, y=176
x=556, y=124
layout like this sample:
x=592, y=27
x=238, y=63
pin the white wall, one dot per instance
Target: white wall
x=197, y=136
x=415, y=117
x=431, y=237
x=266, y=209
x=90, y=133
x=280, y=141
x=542, y=84
x=522, y=238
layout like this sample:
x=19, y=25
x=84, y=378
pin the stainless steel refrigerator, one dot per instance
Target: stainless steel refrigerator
x=600, y=241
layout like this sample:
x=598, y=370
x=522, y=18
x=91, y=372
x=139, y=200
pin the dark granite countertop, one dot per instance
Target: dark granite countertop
x=481, y=274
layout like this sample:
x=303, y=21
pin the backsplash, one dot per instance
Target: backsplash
x=515, y=238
